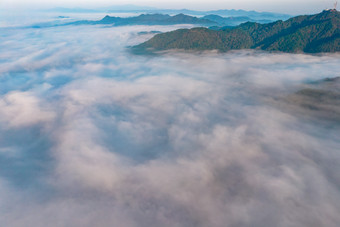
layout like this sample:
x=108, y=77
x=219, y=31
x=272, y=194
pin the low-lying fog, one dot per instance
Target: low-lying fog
x=92, y=135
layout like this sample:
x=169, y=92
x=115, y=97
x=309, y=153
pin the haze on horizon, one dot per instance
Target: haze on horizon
x=281, y=6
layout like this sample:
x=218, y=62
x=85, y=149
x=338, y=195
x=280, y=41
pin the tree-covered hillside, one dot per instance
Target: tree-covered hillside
x=310, y=33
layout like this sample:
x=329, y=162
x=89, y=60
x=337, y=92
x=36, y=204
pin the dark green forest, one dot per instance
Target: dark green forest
x=309, y=33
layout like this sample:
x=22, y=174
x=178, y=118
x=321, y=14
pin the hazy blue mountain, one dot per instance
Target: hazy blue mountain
x=309, y=33
x=257, y=16
x=166, y=19
x=143, y=19
x=232, y=21
x=223, y=13
x=149, y=19
x=252, y=14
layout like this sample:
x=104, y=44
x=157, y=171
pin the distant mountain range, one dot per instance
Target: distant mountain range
x=143, y=19
x=309, y=33
x=166, y=19
x=154, y=16
x=155, y=19
x=268, y=16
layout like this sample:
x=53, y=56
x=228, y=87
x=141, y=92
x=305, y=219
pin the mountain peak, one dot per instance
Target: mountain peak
x=330, y=11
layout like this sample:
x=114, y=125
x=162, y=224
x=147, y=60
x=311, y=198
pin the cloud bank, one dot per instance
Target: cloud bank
x=92, y=135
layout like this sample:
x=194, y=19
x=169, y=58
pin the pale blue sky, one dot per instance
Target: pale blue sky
x=283, y=6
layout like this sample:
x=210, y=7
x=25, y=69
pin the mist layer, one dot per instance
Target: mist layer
x=91, y=135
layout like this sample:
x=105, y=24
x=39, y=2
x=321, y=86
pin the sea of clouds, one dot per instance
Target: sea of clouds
x=93, y=135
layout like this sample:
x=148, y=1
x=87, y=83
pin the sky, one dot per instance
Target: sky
x=282, y=6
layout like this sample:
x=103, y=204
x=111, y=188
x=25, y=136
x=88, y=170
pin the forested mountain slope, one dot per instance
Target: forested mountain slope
x=309, y=33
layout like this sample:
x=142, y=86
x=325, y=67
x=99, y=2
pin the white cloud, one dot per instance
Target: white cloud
x=173, y=140
x=20, y=109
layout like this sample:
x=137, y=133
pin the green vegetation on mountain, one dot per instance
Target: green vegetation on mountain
x=310, y=33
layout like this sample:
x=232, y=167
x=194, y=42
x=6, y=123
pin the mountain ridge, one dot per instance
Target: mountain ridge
x=308, y=33
x=151, y=10
x=166, y=19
